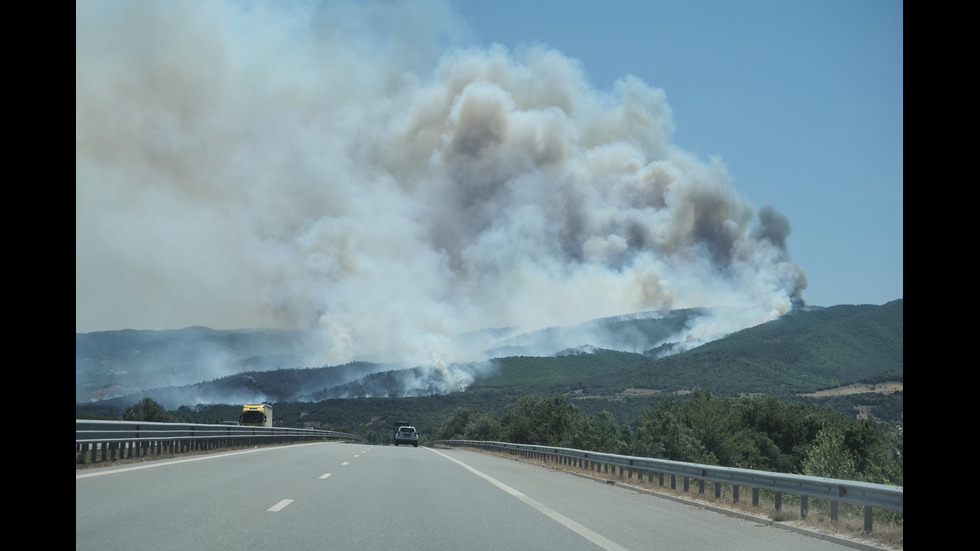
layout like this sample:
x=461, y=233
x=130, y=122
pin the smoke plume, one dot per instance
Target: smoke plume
x=351, y=168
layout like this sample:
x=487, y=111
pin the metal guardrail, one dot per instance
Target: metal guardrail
x=863, y=494
x=97, y=441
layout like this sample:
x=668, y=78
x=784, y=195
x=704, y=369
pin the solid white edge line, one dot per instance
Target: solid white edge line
x=163, y=462
x=586, y=533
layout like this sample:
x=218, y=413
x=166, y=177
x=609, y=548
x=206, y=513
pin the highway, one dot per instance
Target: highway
x=350, y=497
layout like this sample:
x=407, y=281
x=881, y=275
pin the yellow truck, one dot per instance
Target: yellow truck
x=256, y=415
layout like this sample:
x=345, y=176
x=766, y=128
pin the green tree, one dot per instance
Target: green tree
x=876, y=449
x=791, y=428
x=555, y=418
x=533, y=419
x=710, y=420
x=147, y=410
x=516, y=420
x=455, y=426
x=483, y=427
x=829, y=456
x=596, y=433
x=898, y=469
x=662, y=433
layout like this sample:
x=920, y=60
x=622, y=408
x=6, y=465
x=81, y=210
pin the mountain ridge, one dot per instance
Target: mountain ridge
x=800, y=352
x=110, y=364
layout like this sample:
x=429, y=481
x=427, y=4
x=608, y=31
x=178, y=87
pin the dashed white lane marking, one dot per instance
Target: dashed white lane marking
x=325, y=476
x=555, y=515
x=280, y=506
x=346, y=463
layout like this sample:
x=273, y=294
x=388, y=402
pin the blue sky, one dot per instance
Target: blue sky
x=801, y=100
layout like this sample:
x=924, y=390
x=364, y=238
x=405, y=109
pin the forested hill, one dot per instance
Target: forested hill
x=799, y=353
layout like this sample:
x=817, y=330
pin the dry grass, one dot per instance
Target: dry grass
x=848, y=529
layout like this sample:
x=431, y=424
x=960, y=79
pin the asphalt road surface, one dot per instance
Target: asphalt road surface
x=340, y=496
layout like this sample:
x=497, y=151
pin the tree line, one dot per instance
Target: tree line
x=760, y=433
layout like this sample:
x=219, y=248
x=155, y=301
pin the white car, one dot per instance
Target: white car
x=406, y=434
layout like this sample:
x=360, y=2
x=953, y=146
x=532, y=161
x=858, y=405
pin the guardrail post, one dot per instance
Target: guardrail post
x=734, y=493
x=804, y=506
x=834, y=506
x=701, y=486
x=687, y=484
x=867, y=519
x=673, y=482
x=778, y=501
x=755, y=497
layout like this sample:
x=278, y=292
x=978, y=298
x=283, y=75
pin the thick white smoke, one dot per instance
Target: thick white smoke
x=329, y=165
